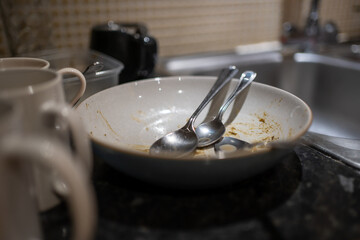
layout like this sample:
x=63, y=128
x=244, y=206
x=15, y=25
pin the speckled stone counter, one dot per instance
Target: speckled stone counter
x=307, y=196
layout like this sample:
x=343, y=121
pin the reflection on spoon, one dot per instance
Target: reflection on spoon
x=229, y=146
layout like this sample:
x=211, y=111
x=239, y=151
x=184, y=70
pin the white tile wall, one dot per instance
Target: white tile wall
x=182, y=26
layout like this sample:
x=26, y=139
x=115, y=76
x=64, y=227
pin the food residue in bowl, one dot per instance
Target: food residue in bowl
x=107, y=123
x=140, y=148
x=255, y=128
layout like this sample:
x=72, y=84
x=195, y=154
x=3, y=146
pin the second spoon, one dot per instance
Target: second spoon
x=184, y=141
x=211, y=131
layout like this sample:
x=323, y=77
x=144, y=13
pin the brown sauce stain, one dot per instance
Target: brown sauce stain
x=136, y=119
x=264, y=126
x=140, y=148
x=107, y=123
x=263, y=129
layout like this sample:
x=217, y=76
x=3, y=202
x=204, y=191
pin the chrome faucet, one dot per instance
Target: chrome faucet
x=313, y=35
x=312, y=27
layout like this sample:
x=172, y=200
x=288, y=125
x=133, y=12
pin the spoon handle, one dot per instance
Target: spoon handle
x=93, y=67
x=225, y=76
x=245, y=80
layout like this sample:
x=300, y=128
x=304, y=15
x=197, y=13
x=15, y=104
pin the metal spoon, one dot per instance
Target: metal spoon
x=211, y=131
x=93, y=67
x=184, y=141
x=229, y=146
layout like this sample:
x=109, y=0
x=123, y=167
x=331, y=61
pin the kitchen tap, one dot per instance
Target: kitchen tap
x=313, y=35
x=312, y=27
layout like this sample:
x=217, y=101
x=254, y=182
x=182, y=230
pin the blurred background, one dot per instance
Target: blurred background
x=181, y=27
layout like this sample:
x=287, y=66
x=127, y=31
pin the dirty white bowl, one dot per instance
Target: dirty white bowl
x=123, y=122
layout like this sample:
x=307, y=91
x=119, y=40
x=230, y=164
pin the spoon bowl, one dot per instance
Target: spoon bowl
x=230, y=145
x=227, y=146
x=176, y=144
x=210, y=132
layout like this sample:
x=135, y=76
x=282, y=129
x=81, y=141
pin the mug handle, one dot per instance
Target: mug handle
x=77, y=73
x=81, y=198
x=79, y=137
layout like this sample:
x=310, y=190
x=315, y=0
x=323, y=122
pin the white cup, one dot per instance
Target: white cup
x=38, y=63
x=23, y=62
x=44, y=113
x=19, y=152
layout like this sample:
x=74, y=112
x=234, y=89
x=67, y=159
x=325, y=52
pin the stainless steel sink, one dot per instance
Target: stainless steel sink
x=330, y=85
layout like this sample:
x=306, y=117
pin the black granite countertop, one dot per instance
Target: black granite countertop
x=307, y=196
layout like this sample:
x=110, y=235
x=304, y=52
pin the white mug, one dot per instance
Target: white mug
x=18, y=152
x=38, y=63
x=44, y=112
